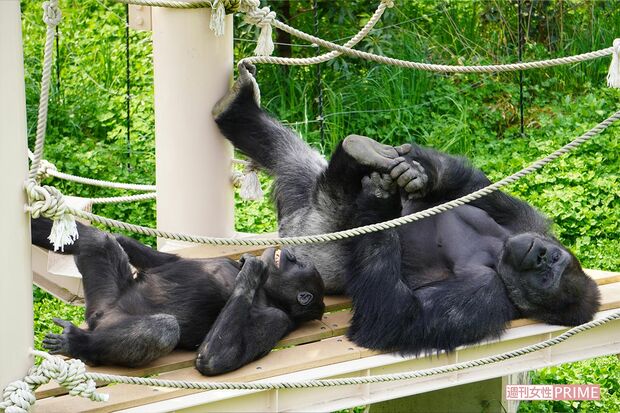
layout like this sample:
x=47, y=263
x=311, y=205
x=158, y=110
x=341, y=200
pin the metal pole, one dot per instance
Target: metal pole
x=192, y=71
x=15, y=272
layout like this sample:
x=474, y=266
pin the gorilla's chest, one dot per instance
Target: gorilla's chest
x=463, y=236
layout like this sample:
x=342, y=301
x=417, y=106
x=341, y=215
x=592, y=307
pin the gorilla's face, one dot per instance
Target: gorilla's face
x=297, y=286
x=545, y=281
x=540, y=262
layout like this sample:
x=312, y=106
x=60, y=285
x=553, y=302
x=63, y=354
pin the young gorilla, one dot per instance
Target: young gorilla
x=243, y=308
x=452, y=279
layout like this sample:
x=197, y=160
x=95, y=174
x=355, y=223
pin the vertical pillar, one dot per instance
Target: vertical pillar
x=15, y=271
x=193, y=70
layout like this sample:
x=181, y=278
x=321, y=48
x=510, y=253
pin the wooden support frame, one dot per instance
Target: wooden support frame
x=15, y=275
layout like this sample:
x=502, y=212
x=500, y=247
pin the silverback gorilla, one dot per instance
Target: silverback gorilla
x=243, y=308
x=452, y=279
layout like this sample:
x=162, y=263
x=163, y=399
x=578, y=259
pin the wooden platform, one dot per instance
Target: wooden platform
x=319, y=349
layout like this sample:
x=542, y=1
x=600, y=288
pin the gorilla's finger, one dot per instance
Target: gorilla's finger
x=406, y=178
x=62, y=323
x=399, y=169
x=414, y=186
x=403, y=149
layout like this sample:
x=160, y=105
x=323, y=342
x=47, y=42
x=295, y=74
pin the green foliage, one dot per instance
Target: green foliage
x=603, y=370
x=45, y=309
x=473, y=115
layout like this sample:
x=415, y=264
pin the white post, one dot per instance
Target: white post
x=15, y=272
x=193, y=70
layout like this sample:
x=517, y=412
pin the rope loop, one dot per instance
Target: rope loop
x=51, y=13
x=388, y=3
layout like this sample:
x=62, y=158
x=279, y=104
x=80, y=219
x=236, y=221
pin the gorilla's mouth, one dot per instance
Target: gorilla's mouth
x=276, y=257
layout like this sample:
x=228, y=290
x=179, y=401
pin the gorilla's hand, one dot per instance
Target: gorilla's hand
x=253, y=273
x=378, y=185
x=59, y=343
x=410, y=176
x=246, y=78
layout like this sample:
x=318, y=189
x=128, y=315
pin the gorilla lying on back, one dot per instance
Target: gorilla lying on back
x=452, y=279
x=245, y=307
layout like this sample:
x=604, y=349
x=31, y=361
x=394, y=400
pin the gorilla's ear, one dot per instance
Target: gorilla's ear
x=305, y=298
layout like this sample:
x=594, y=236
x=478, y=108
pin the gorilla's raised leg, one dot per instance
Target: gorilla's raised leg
x=271, y=145
x=143, y=257
x=120, y=339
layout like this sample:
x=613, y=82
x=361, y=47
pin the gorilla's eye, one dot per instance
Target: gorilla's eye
x=555, y=256
x=304, y=298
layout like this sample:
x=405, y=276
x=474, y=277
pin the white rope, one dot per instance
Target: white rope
x=19, y=395
x=47, y=169
x=120, y=199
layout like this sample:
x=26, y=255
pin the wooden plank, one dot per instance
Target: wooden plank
x=332, y=324
x=308, y=332
x=329, y=351
x=339, y=322
x=336, y=302
x=603, y=277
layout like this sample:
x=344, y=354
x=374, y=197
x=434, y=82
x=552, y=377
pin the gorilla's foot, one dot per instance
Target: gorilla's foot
x=410, y=176
x=246, y=78
x=379, y=185
x=371, y=153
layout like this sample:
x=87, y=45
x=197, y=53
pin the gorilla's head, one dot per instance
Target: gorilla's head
x=545, y=281
x=294, y=285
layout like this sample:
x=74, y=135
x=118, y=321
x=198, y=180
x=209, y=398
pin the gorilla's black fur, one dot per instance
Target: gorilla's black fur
x=448, y=280
x=242, y=307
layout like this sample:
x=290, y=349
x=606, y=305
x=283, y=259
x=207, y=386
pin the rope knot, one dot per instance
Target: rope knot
x=45, y=167
x=49, y=202
x=51, y=13
x=388, y=3
x=262, y=18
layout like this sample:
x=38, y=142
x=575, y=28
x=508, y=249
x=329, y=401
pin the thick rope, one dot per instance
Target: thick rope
x=120, y=199
x=263, y=17
x=51, y=17
x=416, y=65
x=47, y=169
x=340, y=235
x=19, y=395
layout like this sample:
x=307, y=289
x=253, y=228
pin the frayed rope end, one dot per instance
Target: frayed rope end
x=613, y=77
x=64, y=232
x=218, y=14
x=250, y=187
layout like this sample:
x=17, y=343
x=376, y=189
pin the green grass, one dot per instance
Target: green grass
x=473, y=115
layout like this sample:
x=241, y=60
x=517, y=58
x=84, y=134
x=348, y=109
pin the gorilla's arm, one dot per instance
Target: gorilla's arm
x=450, y=177
x=245, y=329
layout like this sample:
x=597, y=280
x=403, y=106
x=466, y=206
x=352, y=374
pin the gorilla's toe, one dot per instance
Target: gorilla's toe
x=245, y=79
x=369, y=152
x=379, y=185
